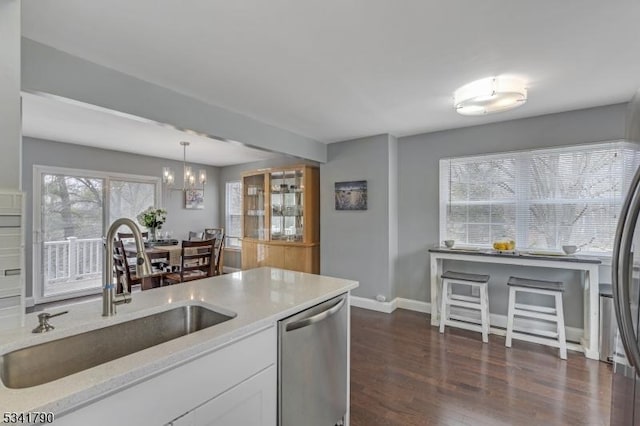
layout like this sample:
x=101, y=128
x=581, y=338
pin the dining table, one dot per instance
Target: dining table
x=172, y=252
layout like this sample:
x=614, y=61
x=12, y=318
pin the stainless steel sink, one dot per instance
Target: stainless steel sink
x=43, y=363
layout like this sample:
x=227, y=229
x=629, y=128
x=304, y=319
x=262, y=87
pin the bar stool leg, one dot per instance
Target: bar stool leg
x=444, y=315
x=512, y=306
x=486, y=295
x=484, y=313
x=562, y=340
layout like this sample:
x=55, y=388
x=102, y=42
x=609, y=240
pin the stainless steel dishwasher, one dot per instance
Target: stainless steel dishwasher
x=312, y=365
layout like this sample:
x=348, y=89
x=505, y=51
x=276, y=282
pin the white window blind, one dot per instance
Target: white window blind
x=233, y=214
x=542, y=199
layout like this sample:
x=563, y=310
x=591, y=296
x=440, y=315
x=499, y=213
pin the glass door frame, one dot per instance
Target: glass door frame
x=37, y=230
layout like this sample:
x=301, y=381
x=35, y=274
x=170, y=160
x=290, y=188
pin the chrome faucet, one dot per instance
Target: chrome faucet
x=143, y=266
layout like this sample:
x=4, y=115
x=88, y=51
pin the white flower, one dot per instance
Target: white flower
x=152, y=217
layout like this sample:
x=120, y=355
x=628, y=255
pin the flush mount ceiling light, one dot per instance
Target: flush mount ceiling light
x=189, y=178
x=493, y=94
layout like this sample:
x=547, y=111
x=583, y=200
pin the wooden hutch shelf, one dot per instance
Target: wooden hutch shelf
x=281, y=223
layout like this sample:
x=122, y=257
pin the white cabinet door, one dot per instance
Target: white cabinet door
x=187, y=387
x=251, y=403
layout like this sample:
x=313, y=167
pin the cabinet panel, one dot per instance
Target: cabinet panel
x=249, y=254
x=11, y=260
x=273, y=255
x=300, y=259
x=10, y=285
x=312, y=203
x=10, y=203
x=169, y=395
x=251, y=403
x=254, y=207
x=287, y=204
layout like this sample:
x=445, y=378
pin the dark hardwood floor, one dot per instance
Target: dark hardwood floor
x=403, y=372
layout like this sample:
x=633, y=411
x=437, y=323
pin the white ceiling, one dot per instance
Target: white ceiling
x=73, y=122
x=337, y=69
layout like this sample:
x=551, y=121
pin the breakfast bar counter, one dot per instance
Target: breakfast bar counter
x=588, y=266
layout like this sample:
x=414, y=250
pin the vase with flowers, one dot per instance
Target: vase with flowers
x=152, y=219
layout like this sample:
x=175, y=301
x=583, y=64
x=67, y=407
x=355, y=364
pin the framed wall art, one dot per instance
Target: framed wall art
x=351, y=195
x=194, y=199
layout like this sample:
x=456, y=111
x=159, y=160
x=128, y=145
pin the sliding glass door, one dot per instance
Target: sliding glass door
x=72, y=229
x=72, y=210
x=127, y=198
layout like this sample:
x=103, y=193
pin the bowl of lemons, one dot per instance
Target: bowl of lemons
x=504, y=245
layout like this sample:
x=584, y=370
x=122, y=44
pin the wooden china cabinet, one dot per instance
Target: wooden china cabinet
x=281, y=223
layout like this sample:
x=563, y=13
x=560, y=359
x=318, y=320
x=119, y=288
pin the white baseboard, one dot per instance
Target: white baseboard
x=373, y=305
x=499, y=327
x=230, y=270
x=498, y=322
x=413, y=305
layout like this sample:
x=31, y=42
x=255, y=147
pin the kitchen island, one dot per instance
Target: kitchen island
x=257, y=299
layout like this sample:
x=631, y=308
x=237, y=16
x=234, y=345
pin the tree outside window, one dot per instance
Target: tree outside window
x=543, y=199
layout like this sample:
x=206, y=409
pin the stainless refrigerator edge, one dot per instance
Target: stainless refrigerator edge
x=625, y=392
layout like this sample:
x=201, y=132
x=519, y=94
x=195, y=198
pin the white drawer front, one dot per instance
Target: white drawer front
x=10, y=203
x=10, y=286
x=11, y=317
x=10, y=240
x=9, y=231
x=9, y=261
x=10, y=221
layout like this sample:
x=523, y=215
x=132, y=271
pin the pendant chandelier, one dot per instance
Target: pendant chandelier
x=190, y=180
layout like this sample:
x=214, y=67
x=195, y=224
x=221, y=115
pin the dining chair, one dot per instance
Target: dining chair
x=146, y=283
x=158, y=261
x=195, y=236
x=120, y=267
x=197, y=262
x=218, y=234
x=129, y=236
x=210, y=233
x=123, y=270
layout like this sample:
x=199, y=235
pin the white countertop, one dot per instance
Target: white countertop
x=258, y=297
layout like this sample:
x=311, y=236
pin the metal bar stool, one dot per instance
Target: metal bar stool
x=480, y=303
x=539, y=313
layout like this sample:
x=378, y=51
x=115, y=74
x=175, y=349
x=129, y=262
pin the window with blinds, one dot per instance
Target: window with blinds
x=233, y=214
x=542, y=199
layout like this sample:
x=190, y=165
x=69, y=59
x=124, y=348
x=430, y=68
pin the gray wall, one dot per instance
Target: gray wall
x=49, y=70
x=179, y=220
x=356, y=244
x=393, y=215
x=232, y=257
x=10, y=94
x=418, y=196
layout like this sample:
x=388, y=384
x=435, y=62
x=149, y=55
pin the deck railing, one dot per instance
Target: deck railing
x=72, y=259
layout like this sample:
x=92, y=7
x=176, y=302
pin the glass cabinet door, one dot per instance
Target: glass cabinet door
x=287, y=205
x=254, y=214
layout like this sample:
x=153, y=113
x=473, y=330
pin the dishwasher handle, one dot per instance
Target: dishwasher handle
x=317, y=317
